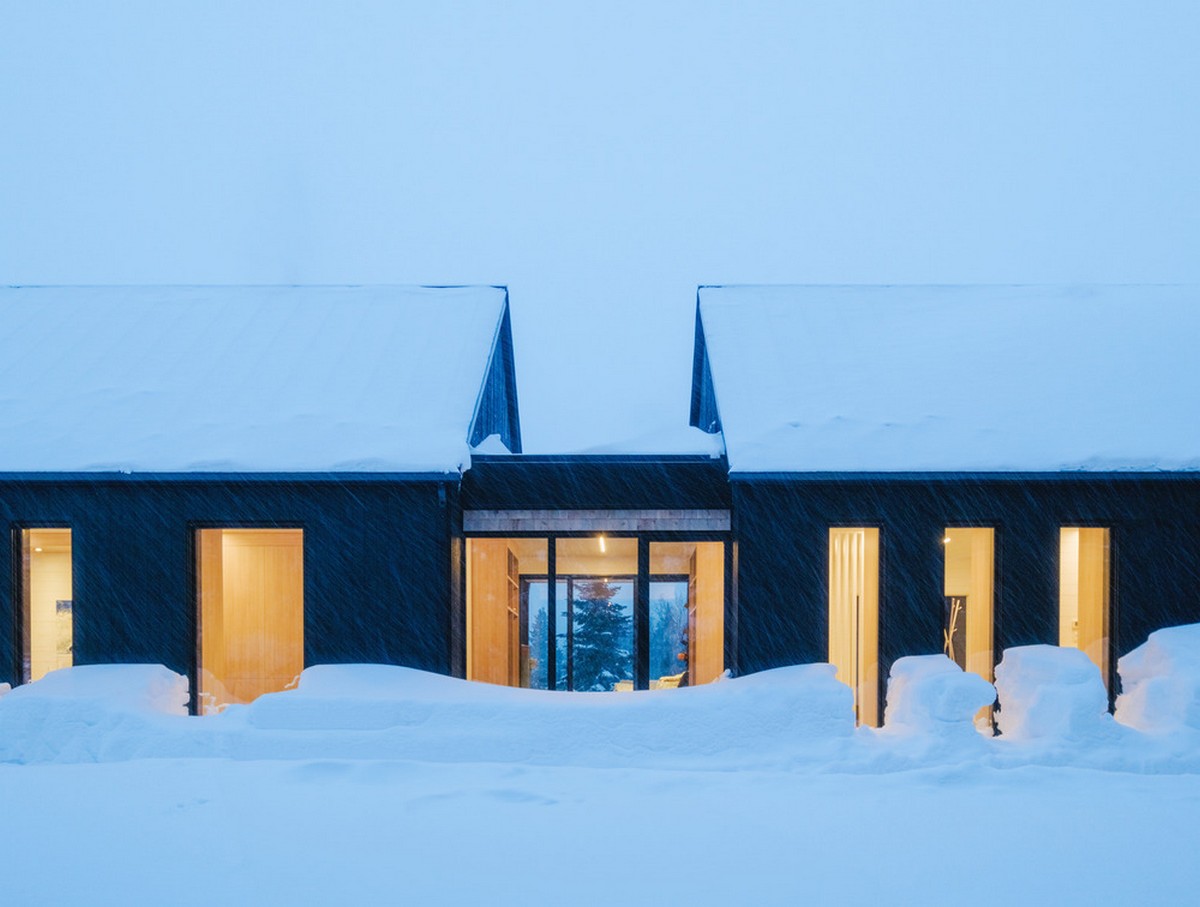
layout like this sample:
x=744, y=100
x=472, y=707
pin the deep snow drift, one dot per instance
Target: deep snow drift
x=376, y=784
x=1052, y=709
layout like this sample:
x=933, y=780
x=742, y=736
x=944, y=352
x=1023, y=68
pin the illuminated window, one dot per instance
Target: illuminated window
x=854, y=616
x=1083, y=592
x=687, y=613
x=251, y=622
x=560, y=613
x=46, y=599
x=595, y=582
x=510, y=625
x=968, y=581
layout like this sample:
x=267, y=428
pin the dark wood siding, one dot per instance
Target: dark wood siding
x=377, y=571
x=600, y=483
x=782, y=523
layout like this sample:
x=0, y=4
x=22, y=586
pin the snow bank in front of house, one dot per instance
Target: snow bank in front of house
x=380, y=710
x=1160, y=682
x=1051, y=693
x=91, y=713
x=930, y=694
x=1053, y=710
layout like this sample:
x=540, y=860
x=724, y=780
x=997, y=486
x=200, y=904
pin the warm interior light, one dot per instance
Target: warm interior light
x=945, y=540
x=603, y=548
x=968, y=587
x=251, y=613
x=854, y=615
x=1083, y=592
x=46, y=592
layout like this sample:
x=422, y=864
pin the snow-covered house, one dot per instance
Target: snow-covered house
x=955, y=468
x=239, y=481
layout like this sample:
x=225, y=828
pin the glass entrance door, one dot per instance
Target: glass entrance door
x=670, y=639
x=594, y=613
x=596, y=639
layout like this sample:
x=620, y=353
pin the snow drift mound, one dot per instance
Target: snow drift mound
x=1051, y=693
x=382, y=711
x=90, y=713
x=930, y=694
x=1160, y=682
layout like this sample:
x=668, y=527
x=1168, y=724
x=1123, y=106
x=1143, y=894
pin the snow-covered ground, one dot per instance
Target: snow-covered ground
x=386, y=785
x=410, y=832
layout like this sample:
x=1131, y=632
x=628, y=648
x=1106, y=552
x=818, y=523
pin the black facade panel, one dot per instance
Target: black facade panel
x=782, y=535
x=596, y=483
x=781, y=594
x=377, y=567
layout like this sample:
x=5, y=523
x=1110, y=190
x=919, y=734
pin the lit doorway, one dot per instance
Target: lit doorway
x=854, y=615
x=1083, y=592
x=47, y=602
x=968, y=582
x=251, y=614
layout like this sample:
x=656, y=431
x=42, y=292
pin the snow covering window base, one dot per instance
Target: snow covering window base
x=968, y=589
x=854, y=615
x=251, y=614
x=564, y=613
x=1083, y=593
x=47, y=601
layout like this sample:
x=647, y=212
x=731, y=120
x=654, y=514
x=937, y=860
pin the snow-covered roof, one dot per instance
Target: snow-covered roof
x=950, y=379
x=251, y=379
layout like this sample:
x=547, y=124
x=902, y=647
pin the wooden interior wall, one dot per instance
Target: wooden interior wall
x=854, y=615
x=1084, y=592
x=263, y=598
x=212, y=624
x=868, y=653
x=1094, y=596
x=488, y=633
x=844, y=585
x=970, y=566
x=251, y=612
x=980, y=603
x=709, y=633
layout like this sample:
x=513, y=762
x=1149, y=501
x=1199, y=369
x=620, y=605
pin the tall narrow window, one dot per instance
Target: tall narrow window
x=510, y=625
x=47, y=601
x=687, y=613
x=1083, y=592
x=251, y=603
x=967, y=634
x=854, y=616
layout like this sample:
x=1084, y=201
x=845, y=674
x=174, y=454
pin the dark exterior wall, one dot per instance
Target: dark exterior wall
x=596, y=483
x=377, y=568
x=782, y=525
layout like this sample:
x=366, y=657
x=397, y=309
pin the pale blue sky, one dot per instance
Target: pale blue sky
x=599, y=159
